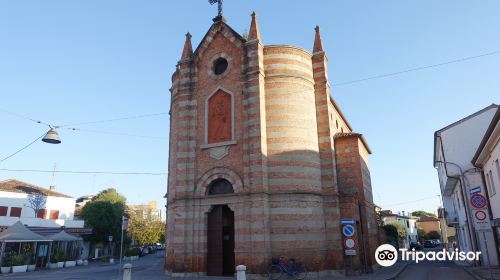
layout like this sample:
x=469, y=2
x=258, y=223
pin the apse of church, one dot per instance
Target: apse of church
x=262, y=162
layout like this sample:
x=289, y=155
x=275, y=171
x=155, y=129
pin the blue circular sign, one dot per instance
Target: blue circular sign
x=348, y=230
x=478, y=201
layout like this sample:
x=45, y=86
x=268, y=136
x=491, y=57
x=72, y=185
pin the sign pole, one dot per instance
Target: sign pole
x=121, y=248
x=124, y=226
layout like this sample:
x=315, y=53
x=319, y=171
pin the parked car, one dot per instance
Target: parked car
x=144, y=251
x=160, y=246
x=429, y=244
x=437, y=242
x=416, y=245
x=152, y=249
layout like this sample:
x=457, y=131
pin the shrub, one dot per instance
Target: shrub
x=433, y=235
x=18, y=260
x=7, y=258
x=57, y=256
x=30, y=258
x=129, y=252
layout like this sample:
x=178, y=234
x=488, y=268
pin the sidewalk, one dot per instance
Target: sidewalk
x=383, y=273
x=484, y=272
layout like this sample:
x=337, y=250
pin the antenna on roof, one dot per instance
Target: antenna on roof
x=219, y=4
x=52, y=187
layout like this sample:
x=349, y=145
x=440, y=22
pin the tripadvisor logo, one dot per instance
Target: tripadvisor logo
x=387, y=255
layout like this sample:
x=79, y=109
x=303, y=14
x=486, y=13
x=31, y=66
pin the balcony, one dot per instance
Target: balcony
x=449, y=186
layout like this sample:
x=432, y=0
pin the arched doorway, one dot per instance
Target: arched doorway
x=220, y=234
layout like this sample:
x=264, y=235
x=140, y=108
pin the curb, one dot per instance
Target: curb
x=474, y=275
x=398, y=272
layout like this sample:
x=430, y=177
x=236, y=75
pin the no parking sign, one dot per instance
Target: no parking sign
x=478, y=201
x=348, y=230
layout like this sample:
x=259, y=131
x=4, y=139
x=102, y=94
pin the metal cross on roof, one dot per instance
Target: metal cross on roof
x=219, y=3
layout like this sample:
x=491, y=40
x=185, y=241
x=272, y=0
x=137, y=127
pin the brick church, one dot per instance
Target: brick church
x=262, y=162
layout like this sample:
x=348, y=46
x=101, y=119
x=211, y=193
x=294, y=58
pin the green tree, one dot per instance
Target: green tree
x=110, y=195
x=421, y=233
x=104, y=214
x=400, y=230
x=145, y=230
x=421, y=213
x=433, y=235
x=390, y=231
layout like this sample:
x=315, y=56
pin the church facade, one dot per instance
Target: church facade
x=262, y=162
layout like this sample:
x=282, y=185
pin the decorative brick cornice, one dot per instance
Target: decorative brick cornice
x=218, y=173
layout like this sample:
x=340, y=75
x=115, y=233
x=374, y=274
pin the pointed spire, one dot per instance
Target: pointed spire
x=318, y=44
x=254, y=33
x=187, y=52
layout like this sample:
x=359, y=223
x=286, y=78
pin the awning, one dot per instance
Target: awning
x=19, y=233
x=64, y=236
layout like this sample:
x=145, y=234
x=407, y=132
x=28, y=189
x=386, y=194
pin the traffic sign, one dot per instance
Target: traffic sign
x=478, y=201
x=480, y=215
x=348, y=230
x=349, y=243
x=481, y=219
x=347, y=222
x=475, y=190
x=124, y=222
x=350, y=252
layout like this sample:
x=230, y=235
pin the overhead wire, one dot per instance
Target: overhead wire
x=116, y=133
x=24, y=117
x=23, y=148
x=84, y=172
x=66, y=126
x=413, y=201
x=117, y=119
x=414, y=69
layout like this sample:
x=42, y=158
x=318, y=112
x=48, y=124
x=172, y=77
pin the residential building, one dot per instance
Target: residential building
x=428, y=224
x=486, y=158
x=261, y=155
x=82, y=200
x=448, y=234
x=80, y=203
x=454, y=147
x=15, y=206
x=147, y=211
x=407, y=221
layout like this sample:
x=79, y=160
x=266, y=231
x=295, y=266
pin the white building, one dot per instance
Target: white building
x=409, y=222
x=14, y=206
x=454, y=148
x=149, y=210
x=486, y=158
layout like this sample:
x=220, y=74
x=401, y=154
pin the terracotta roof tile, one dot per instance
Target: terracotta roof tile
x=427, y=219
x=16, y=186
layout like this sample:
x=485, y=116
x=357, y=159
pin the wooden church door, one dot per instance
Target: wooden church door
x=220, y=242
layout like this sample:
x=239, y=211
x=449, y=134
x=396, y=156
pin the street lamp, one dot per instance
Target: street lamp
x=52, y=137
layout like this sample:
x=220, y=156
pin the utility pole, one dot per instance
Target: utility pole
x=124, y=227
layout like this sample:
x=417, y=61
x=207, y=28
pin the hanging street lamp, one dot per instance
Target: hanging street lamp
x=52, y=137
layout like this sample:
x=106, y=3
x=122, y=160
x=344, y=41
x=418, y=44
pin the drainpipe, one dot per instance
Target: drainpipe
x=472, y=233
x=495, y=237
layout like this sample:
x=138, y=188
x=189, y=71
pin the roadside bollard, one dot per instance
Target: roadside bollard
x=127, y=271
x=240, y=272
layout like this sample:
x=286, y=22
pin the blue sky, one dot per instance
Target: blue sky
x=66, y=62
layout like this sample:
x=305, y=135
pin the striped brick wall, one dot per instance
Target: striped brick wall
x=291, y=176
x=292, y=145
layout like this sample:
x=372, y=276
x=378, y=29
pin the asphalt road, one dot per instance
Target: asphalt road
x=151, y=268
x=148, y=267
x=434, y=270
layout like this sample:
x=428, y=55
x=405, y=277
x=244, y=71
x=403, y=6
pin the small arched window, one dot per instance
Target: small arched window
x=220, y=186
